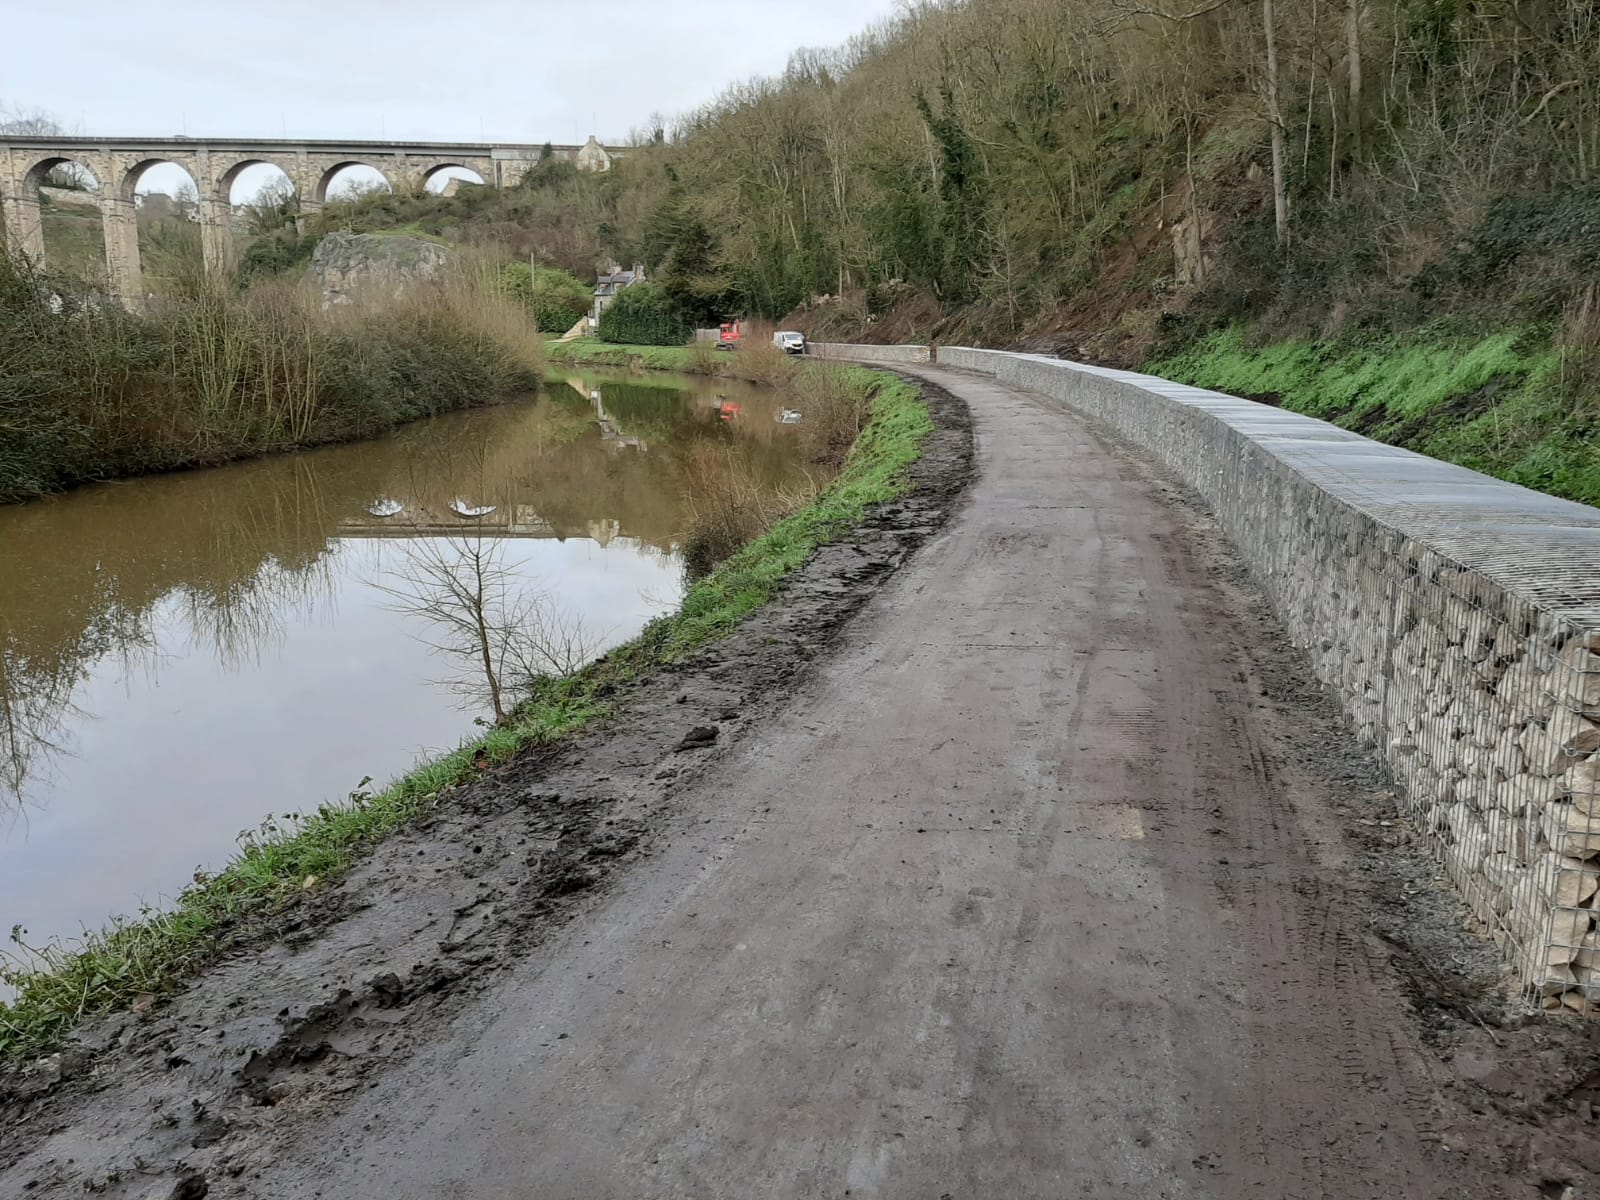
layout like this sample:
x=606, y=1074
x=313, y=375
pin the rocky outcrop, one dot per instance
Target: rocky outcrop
x=349, y=264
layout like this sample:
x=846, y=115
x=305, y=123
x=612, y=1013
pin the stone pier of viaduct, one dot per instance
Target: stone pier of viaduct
x=215, y=164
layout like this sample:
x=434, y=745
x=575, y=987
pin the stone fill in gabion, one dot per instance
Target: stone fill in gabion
x=1457, y=618
x=863, y=353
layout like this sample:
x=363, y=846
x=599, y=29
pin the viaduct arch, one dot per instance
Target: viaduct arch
x=215, y=164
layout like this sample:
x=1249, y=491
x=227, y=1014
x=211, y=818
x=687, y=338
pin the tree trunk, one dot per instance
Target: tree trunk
x=1280, y=187
x=1352, y=35
x=480, y=622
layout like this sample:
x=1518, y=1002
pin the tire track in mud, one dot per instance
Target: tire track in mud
x=1300, y=952
x=1317, y=859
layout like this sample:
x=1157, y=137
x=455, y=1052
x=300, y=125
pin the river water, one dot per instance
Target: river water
x=184, y=655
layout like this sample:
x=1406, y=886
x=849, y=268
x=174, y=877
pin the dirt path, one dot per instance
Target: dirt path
x=1037, y=887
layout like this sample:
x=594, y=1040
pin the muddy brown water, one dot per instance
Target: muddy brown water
x=185, y=656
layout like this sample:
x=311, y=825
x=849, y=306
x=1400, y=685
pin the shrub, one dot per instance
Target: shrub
x=836, y=410
x=729, y=503
x=214, y=372
x=759, y=361
x=276, y=253
x=555, y=298
x=642, y=315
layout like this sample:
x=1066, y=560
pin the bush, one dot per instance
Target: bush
x=555, y=298
x=836, y=411
x=730, y=502
x=276, y=253
x=642, y=315
x=213, y=373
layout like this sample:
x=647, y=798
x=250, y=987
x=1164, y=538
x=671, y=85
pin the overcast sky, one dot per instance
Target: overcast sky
x=450, y=70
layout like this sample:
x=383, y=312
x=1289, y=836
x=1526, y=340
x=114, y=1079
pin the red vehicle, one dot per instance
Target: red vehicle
x=729, y=335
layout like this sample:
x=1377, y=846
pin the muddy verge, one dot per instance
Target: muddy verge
x=167, y=1101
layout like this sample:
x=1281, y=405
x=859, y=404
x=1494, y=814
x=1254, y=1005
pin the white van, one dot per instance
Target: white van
x=789, y=341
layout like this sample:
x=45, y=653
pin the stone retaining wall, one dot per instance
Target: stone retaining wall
x=1457, y=618
x=881, y=354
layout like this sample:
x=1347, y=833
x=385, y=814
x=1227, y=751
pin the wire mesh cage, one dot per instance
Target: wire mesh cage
x=1491, y=714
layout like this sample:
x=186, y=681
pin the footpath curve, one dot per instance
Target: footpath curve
x=1037, y=888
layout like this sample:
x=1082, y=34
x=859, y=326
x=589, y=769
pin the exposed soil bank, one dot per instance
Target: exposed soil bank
x=437, y=910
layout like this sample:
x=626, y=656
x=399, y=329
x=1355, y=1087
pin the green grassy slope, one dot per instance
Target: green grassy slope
x=1506, y=404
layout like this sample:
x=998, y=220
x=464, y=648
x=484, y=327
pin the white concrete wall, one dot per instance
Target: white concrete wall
x=1456, y=617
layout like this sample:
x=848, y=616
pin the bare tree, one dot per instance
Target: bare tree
x=504, y=634
x=29, y=122
x=186, y=199
x=353, y=188
x=1352, y=34
x=1280, y=186
x=274, y=206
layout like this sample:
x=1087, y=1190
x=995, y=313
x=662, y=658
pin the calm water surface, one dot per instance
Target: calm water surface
x=183, y=655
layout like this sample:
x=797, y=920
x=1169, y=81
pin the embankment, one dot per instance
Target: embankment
x=1457, y=618
x=267, y=888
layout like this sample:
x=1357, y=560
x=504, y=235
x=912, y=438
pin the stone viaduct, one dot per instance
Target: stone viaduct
x=216, y=163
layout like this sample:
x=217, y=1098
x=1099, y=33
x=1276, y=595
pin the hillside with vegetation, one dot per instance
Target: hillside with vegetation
x=1381, y=214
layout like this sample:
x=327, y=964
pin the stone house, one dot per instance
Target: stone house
x=609, y=284
x=592, y=156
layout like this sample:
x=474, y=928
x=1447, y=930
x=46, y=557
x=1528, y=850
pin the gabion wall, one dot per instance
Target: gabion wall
x=883, y=354
x=1457, y=618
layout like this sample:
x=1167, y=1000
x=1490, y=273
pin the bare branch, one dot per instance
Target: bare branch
x=503, y=632
x=1129, y=10
x=1549, y=96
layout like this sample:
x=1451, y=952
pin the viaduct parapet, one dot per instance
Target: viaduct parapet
x=216, y=163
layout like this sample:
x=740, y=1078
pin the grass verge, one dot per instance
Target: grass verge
x=689, y=360
x=57, y=986
x=1511, y=404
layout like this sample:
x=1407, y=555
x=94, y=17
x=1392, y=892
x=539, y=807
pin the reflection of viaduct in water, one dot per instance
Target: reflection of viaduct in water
x=216, y=163
x=507, y=520
x=419, y=517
